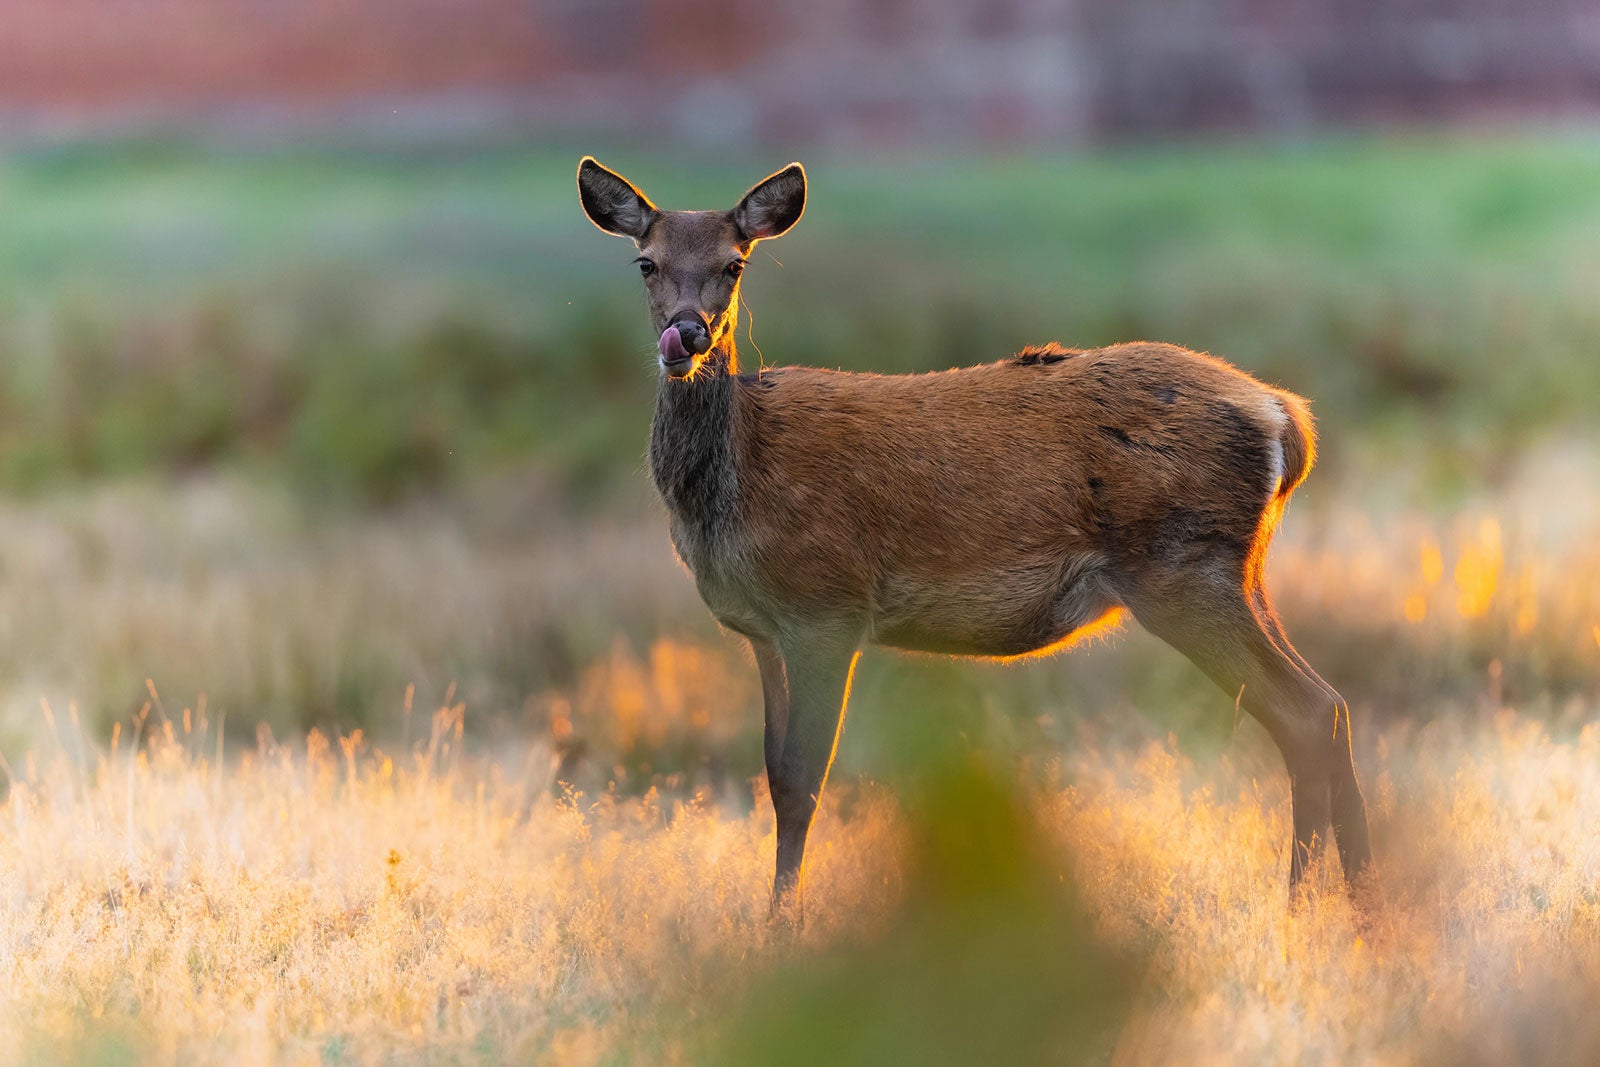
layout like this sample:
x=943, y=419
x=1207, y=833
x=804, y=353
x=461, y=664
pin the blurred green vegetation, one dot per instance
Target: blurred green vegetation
x=377, y=325
x=991, y=959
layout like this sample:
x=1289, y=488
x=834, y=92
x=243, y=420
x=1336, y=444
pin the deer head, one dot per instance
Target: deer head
x=691, y=261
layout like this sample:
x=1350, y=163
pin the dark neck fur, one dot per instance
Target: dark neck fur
x=691, y=448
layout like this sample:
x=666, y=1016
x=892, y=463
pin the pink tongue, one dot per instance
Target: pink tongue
x=672, y=349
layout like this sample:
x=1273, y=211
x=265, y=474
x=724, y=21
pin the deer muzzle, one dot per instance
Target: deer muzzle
x=673, y=351
x=682, y=340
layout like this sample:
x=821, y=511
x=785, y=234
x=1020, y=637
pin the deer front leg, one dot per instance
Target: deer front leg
x=775, y=704
x=818, y=666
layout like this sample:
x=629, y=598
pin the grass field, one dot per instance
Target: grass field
x=1082, y=858
x=353, y=709
x=1111, y=893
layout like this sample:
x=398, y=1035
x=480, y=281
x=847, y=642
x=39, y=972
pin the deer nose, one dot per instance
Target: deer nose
x=692, y=329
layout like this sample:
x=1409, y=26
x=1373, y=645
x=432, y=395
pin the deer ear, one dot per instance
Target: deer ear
x=611, y=201
x=773, y=205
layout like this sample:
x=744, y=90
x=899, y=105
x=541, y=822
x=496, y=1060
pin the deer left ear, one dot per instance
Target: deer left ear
x=773, y=205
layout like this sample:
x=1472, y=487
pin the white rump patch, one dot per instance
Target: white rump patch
x=1275, y=466
x=1277, y=422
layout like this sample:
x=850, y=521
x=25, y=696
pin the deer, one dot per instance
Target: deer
x=1000, y=511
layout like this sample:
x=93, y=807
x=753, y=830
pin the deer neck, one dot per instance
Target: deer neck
x=691, y=442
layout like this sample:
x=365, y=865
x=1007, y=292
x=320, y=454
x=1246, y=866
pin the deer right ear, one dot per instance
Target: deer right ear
x=773, y=205
x=611, y=201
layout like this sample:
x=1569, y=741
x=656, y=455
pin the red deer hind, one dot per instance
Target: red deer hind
x=820, y=511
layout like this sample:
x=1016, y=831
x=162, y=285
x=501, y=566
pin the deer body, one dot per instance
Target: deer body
x=989, y=511
x=999, y=510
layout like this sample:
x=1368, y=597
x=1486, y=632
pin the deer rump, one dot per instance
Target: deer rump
x=1000, y=510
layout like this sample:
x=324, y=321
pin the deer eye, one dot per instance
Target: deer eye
x=736, y=268
x=646, y=268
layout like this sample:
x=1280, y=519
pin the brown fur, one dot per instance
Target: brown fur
x=969, y=511
x=1001, y=510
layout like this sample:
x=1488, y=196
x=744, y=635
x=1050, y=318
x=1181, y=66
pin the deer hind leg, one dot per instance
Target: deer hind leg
x=1226, y=627
x=818, y=665
x=1349, y=808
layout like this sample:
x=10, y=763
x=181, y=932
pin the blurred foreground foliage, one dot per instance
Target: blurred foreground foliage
x=990, y=960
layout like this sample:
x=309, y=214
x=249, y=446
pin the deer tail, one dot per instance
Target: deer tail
x=1298, y=440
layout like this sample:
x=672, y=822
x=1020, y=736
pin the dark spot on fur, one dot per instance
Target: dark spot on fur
x=1167, y=394
x=1121, y=437
x=1188, y=535
x=1095, y=485
x=1042, y=355
x=1180, y=528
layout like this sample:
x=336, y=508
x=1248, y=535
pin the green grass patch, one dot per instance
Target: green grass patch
x=376, y=325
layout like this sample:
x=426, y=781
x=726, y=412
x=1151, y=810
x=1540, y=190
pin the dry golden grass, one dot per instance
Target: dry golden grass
x=334, y=903
x=177, y=891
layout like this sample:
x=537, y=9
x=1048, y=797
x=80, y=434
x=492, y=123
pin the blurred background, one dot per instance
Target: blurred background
x=322, y=404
